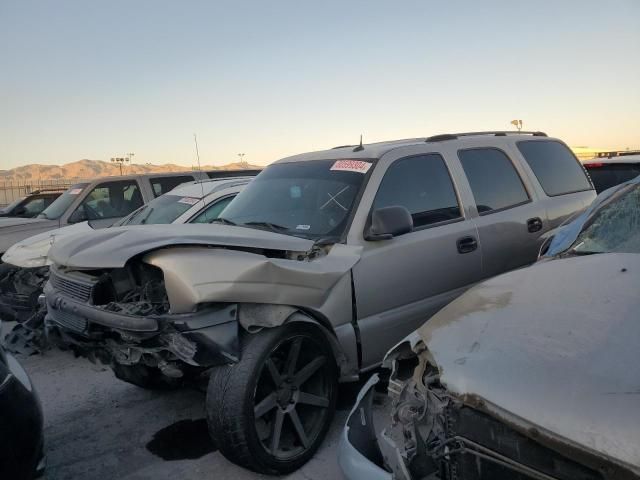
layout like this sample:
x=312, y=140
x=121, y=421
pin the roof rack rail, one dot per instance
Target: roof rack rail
x=617, y=153
x=497, y=133
x=52, y=189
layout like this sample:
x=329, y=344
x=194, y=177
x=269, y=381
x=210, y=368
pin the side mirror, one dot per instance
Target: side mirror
x=389, y=222
x=78, y=216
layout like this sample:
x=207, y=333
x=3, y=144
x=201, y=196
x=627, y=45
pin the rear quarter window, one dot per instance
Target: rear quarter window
x=554, y=165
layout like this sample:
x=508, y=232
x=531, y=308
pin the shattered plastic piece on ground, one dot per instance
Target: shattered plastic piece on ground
x=29, y=337
x=22, y=341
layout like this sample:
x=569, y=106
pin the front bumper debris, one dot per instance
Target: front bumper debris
x=359, y=455
x=205, y=338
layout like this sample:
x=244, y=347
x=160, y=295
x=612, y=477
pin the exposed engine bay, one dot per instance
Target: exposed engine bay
x=137, y=289
x=434, y=434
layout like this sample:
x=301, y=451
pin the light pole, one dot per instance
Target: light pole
x=241, y=156
x=517, y=123
x=120, y=161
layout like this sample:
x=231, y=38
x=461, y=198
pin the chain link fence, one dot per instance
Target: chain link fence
x=11, y=190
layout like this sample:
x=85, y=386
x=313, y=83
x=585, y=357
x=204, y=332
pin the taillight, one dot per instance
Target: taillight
x=594, y=165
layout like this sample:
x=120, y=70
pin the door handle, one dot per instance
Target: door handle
x=466, y=244
x=534, y=224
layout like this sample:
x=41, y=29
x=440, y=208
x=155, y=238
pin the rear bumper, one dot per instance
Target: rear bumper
x=202, y=339
x=359, y=456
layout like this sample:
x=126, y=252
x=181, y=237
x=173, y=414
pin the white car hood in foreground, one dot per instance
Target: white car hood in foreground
x=556, y=345
x=34, y=251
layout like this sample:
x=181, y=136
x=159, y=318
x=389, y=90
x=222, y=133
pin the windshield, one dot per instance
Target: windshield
x=162, y=210
x=614, y=228
x=11, y=206
x=311, y=199
x=62, y=203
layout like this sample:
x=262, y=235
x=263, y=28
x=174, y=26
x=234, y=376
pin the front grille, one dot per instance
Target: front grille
x=71, y=287
x=70, y=321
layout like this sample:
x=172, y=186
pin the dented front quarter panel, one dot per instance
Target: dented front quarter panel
x=550, y=350
x=195, y=275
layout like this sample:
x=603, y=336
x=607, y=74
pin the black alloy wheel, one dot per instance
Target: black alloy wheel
x=272, y=415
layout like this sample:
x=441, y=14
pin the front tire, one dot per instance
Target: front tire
x=270, y=411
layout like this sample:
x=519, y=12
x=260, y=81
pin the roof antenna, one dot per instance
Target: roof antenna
x=359, y=148
x=204, y=205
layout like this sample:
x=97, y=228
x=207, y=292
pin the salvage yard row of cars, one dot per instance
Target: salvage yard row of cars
x=327, y=260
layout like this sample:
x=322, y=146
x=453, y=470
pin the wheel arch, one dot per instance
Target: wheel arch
x=254, y=317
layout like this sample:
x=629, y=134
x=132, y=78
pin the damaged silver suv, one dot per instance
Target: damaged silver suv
x=310, y=275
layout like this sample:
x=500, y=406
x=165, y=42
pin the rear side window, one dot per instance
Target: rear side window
x=162, y=185
x=494, y=181
x=423, y=185
x=609, y=175
x=556, y=168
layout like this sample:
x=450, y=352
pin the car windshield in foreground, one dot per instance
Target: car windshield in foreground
x=62, y=203
x=162, y=210
x=310, y=199
x=613, y=228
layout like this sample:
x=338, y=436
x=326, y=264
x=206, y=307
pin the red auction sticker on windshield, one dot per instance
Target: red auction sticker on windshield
x=357, y=166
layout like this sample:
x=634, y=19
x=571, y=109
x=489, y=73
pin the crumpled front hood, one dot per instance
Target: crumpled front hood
x=34, y=251
x=113, y=247
x=555, y=344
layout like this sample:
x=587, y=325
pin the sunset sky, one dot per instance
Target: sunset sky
x=88, y=79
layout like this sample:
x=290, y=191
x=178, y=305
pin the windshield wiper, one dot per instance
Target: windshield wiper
x=274, y=227
x=146, y=217
x=129, y=218
x=578, y=253
x=326, y=241
x=224, y=221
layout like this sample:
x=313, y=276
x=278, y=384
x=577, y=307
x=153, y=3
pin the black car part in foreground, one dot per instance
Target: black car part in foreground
x=21, y=423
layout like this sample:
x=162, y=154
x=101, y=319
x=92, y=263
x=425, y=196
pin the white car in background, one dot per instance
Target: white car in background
x=192, y=202
x=26, y=264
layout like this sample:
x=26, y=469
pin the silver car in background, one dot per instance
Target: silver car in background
x=103, y=201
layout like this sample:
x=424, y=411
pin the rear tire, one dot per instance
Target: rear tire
x=146, y=377
x=270, y=411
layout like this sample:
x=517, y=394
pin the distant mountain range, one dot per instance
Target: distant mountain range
x=99, y=168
